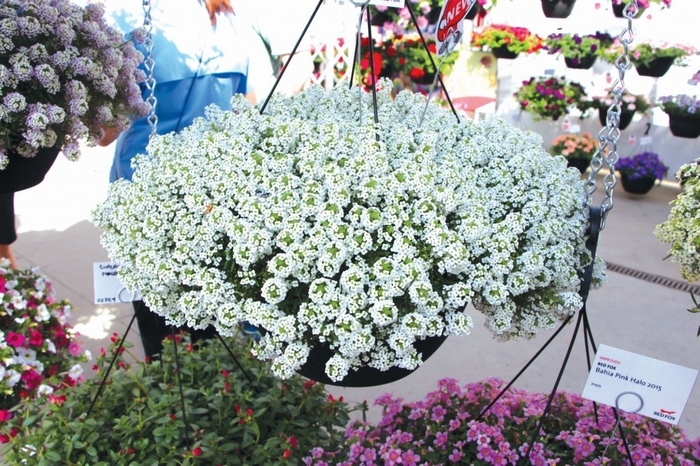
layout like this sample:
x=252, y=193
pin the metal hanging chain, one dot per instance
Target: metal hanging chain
x=610, y=134
x=150, y=64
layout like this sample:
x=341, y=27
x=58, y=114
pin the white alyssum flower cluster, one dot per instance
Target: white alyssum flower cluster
x=682, y=228
x=321, y=229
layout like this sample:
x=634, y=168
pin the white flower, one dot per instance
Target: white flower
x=42, y=313
x=75, y=372
x=44, y=390
x=301, y=222
x=12, y=377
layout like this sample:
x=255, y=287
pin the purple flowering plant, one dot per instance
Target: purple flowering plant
x=577, y=47
x=64, y=75
x=445, y=428
x=680, y=105
x=549, y=98
x=643, y=165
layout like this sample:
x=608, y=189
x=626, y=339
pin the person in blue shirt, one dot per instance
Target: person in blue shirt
x=201, y=51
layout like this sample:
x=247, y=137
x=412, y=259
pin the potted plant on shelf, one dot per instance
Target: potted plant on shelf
x=53, y=96
x=230, y=417
x=427, y=12
x=349, y=242
x=414, y=60
x=40, y=355
x=639, y=173
x=683, y=114
x=549, y=98
x=558, y=8
x=680, y=229
x=629, y=105
x=506, y=41
x=578, y=51
x=577, y=148
x=447, y=427
x=652, y=59
x=618, y=6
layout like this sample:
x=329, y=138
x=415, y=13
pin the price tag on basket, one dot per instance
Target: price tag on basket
x=108, y=288
x=450, y=26
x=636, y=383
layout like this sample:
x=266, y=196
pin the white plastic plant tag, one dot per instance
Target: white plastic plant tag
x=450, y=26
x=565, y=125
x=391, y=3
x=633, y=140
x=645, y=140
x=575, y=129
x=635, y=383
x=108, y=288
x=549, y=72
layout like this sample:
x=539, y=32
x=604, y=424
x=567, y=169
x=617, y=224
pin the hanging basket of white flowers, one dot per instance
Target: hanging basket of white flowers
x=362, y=239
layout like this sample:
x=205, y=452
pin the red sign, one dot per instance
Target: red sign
x=449, y=27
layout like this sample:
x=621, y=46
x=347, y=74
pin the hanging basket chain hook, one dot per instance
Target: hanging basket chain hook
x=609, y=135
x=149, y=63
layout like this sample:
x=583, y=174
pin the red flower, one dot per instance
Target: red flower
x=402, y=61
x=35, y=338
x=4, y=438
x=15, y=339
x=416, y=73
x=294, y=442
x=364, y=63
x=5, y=415
x=287, y=454
x=60, y=339
x=391, y=51
x=31, y=379
x=197, y=452
x=432, y=48
x=57, y=400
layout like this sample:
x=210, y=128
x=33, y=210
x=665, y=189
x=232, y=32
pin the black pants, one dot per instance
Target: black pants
x=8, y=234
x=153, y=330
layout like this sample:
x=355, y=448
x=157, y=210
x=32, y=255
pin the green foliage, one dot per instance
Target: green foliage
x=138, y=419
x=549, y=98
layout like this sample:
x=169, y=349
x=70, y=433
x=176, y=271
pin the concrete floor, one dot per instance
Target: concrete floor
x=627, y=313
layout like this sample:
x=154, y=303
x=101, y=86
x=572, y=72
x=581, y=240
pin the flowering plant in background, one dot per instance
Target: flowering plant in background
x=323, y=229
x=643, y=53
x=515, y=39
x=398, y=20
x=138, y=419
x=574, y=146
x=645, y=3
x=629, y=103
x=64, y=74
x=680, y=105
x=549, y=97
x=445, y=427
x=39, y=352
x=682, y=228
x=642, y=165
x=576, y=47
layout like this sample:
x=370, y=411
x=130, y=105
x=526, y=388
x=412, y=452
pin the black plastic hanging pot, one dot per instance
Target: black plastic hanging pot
x=583, y=63
x=315, y=366
x=557, y=8
x=26, y=172
x=637, y=185
x=503, y=52
x=625, y=118
x=656, y=68
x=684, y=127
x=578, y=163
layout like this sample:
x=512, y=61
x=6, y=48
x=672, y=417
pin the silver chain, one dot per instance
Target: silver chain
x=150, y=64
x=609, y=135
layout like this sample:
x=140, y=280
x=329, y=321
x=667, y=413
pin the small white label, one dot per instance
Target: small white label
x=108, y=288
x=575, y=128
x=635, y=383
x=632, y=140
x=391, y=3
x=645, y=140
x=549, y=72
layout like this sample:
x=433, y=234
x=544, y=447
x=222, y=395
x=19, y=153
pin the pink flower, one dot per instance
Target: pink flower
x=5, y=415
x=74, y=349
x=35, y=338
x=31, y=379
x=15, y=339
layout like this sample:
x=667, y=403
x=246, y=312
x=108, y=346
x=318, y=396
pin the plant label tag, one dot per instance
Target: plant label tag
x=450, y=26
x=632, y=140
x=575, y=128
x=549, y=72
x=565, y=125
x=635, y=383
x=108, y=288
x=391, y=3
x=645, y=140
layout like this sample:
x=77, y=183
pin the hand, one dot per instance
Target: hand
x=111, y=133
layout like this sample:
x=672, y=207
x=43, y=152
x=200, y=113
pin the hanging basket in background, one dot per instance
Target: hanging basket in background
x=558, y=8
x=684, y=127
x=625, y=118
x=656, y=68
x=583, y=63
x=637, y=186
x=619, y=9
x=504, y=53
x=26, y=172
